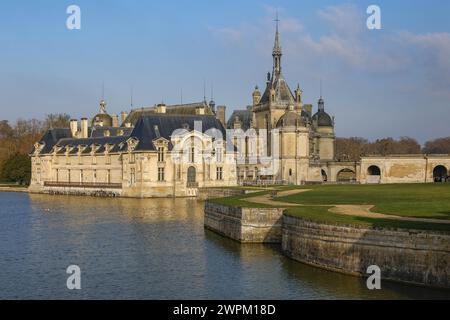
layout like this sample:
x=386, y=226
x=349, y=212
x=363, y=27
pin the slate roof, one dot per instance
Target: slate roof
x=282, y=91
x=52, y=136
x=322, y=119
x=151, y=127
x=148, y=128
x=178, y=109
x=244, y=116
x=98, y=132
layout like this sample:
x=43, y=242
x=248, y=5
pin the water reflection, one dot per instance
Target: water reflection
x=153, y=249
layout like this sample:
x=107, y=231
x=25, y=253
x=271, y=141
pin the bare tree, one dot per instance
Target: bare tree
x=437, y=146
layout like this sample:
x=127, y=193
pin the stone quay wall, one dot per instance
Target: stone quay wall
x=412, y=256
x=246, y=225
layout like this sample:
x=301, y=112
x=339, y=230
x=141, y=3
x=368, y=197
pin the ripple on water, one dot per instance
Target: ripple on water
x=152, y=249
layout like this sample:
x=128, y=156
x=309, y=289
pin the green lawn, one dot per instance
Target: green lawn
x=321, y=214
x=239, y=201
x=412, y=200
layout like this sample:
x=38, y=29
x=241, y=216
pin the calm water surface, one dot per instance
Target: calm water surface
x=152, y=249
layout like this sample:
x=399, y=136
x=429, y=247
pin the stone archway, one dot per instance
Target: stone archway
x=373, y=174
x=440, y=173
x=346, y=175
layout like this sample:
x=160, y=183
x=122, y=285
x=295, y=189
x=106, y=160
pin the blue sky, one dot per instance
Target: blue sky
x=390, y=82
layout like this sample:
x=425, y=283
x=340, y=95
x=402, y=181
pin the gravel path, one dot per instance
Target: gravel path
x=350, y=210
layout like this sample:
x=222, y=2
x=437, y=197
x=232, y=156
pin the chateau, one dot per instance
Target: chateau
x=171, y=151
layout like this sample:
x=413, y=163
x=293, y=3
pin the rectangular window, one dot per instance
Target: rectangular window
x=161, y=154
x=192, y=155
x=108, y=176
x=108, y=159
x=94, y=160
x=132, y=176
x=132, y=158
x=219, y=173
x=160, y=174
x=219, y=155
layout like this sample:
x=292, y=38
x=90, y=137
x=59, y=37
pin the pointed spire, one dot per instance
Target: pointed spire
x=277, y=34
x=276, y=53
x=131, y=97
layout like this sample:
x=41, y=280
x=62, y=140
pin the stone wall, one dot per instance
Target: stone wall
x=247, y=225
x=210, y=193
x=93, y=192
x=418, y=257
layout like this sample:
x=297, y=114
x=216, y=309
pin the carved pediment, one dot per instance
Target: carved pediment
x=38, y=147
x=161, y=142
x=132, y=144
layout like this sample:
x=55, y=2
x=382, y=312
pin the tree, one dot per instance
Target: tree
x=437, y=146
x=5, y=129
x=17, y=168
x=57, y=120
x=350, y=149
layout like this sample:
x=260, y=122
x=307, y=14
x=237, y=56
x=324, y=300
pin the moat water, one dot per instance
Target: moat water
x=152, y=249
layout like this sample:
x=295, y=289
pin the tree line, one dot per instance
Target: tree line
x=16, y=143
x=350, y=149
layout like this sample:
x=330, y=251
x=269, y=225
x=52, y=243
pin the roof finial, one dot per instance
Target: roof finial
x=277, y=33
x=131, y=97
x=320, y=88
x=204, y=90
x=103, y=102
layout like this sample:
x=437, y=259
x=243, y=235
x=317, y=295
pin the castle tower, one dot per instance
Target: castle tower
x=324, y=126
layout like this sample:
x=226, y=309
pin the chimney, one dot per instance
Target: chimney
x=74, y=127
x=84, y=128
x=123, y=116
x=161, y=108
x=221, y=114
x=200, y=110
x=115, y=120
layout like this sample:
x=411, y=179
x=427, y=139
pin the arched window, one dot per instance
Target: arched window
x=440, y=173
x=191, y=175
x=374, y=171
x=346, y=175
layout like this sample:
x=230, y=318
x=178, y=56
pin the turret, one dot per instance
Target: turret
x=298, y=94
x=256, y=96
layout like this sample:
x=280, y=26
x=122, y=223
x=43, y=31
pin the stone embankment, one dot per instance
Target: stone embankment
x=412, y=256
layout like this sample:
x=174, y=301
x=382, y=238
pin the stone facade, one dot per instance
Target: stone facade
x=156, y=155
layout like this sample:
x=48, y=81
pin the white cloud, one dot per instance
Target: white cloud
x=348, y=44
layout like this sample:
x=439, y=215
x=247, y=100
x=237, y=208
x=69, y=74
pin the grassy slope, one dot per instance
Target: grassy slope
x=321, y=214
x=413, y=200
